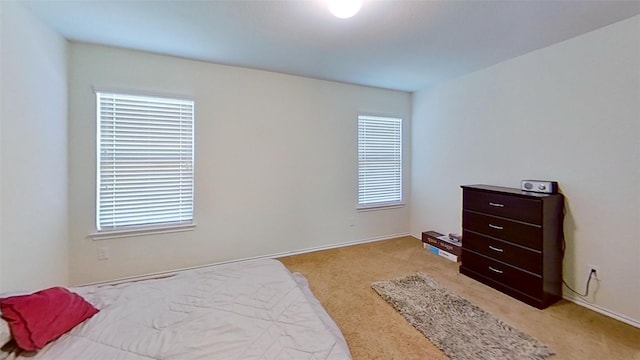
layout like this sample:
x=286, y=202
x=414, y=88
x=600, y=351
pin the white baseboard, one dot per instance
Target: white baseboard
x=269, y=256
x=603, y=311
x=578, y=301
x=335, y=246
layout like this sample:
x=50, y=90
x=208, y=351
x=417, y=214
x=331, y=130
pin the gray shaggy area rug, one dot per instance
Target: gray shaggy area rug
x=460, y=329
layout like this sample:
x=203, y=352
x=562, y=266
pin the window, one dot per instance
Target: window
x=379, y=161
x=144, y=162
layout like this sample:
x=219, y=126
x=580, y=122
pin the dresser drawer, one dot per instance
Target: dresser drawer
x=514, y=207
x=510, y=276
x=503, y=251
x=504, y=229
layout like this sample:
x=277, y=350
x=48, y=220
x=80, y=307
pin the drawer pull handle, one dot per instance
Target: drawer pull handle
x=496, y=204
x=496, y=227
x=495, y=270
x=495, y=249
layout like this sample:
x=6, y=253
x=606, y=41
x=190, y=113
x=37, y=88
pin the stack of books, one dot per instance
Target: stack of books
x=447, y=246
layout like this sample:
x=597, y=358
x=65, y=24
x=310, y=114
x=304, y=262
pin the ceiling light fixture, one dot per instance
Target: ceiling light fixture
x=344, y=9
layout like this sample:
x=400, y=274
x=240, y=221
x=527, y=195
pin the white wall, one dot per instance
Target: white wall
x=569, y=112
x=276, y=162
x=33, y=156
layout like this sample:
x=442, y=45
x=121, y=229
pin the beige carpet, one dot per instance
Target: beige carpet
x=341, y=279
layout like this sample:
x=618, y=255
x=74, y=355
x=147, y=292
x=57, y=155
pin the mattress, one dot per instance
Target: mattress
x=248, y=310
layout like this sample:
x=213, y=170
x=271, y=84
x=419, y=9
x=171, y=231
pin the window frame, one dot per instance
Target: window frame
x=153, y=227
x=398, y=183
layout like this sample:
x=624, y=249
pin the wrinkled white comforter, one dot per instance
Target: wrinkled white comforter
x=248, y=310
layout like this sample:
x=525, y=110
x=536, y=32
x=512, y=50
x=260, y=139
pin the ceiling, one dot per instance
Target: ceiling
x=402, y=45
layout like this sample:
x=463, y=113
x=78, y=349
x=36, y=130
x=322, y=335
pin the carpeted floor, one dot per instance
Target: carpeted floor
x=341, y=279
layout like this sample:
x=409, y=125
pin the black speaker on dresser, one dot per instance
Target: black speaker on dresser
x=512, y=241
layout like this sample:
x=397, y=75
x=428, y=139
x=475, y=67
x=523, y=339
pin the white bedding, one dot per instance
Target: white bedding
x=248, y=310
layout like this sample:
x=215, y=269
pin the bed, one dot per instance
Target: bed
x=246, y=310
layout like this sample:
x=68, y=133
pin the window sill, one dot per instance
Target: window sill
x=379, y=207
x=141, y=231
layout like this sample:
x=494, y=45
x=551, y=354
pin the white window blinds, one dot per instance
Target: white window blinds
x=379, y=161
x=145, y=161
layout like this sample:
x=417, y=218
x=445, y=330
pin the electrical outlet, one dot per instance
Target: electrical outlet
x=597, y=275
x=103, y=253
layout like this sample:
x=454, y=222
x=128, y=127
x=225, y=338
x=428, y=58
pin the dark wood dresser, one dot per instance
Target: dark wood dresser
x=512, y=241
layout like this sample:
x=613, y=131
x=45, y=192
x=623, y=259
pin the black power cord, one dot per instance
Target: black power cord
x=593, y=271
x=563, y=247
